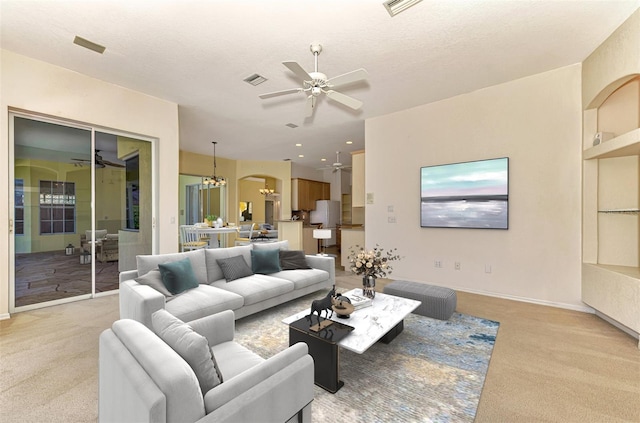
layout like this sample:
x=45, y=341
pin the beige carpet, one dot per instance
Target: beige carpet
x=548, y=364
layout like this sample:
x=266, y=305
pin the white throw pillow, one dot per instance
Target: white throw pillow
x=190, y=345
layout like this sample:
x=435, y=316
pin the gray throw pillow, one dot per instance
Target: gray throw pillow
x=265, y=261
x=234, y=268
x=293, y=259
x=190, y=345
x=154, y=280
x=178, y=276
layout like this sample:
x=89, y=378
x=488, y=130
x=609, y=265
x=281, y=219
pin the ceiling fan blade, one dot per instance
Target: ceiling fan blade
x=348, y=78
x=298, y=70
x=283, y=92
x=344, y=99
x=310, y=106
x=111, y=164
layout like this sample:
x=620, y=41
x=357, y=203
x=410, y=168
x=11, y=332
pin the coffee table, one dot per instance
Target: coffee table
x=382, y=321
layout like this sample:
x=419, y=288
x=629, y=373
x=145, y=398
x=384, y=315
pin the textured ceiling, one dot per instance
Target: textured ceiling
x=197, y=53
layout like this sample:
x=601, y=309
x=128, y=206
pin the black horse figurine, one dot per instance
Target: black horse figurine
x=323, y=305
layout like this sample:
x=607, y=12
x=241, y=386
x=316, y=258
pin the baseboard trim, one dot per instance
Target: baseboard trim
x=574, y=307
x=5, y=316
x=619, y=325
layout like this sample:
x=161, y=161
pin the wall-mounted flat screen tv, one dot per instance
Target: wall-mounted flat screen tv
x=465, y=195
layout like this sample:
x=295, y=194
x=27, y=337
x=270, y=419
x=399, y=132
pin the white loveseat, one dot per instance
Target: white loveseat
x=244, y=296
x=143, y=379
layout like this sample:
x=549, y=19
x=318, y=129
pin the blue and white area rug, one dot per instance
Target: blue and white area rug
x=432, y=372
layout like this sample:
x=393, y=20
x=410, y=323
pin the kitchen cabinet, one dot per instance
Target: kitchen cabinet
x=305, y=193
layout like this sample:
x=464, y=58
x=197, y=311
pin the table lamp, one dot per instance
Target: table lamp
x=322, y=234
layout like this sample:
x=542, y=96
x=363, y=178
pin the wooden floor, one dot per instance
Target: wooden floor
x=48, y=276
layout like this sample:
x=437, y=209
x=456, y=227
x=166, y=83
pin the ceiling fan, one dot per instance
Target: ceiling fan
x=100, y=162
x=316, y=83
x=337, y=165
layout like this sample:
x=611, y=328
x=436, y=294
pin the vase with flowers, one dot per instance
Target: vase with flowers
x=371, y=264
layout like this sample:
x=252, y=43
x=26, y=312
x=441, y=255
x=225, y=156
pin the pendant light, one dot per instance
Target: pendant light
x=214, y=180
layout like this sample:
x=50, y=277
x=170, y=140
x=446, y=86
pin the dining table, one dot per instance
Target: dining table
x=221, y=241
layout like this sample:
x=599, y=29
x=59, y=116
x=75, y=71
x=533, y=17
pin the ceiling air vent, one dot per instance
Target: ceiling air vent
x=89, y=45
x=255, y=79
x=396, y=6
x=291, y=125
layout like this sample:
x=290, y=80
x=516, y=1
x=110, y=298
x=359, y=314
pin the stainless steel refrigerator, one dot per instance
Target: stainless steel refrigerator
x=327, y=212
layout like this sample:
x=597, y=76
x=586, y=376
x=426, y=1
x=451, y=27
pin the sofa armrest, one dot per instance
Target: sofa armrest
x=217, y=328
x=327, y=264
x=127, y=275
x=274, y=390
x=139, y=302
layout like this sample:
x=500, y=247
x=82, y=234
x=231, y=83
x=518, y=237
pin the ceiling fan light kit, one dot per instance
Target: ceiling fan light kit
x=316, y=83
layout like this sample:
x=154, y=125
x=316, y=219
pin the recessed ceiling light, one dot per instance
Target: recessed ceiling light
x=349, y=142
x=298, y=145
x=82, y=42
x=301, y=155
x=291, y=125
x=323, y=160
x=255, y=79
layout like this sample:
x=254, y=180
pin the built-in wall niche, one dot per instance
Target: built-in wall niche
x=611, y=208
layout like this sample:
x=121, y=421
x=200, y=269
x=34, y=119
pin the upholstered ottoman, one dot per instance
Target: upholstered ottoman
x=437, y=301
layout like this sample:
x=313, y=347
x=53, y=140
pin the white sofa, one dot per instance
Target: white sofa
x=263, y=231
x=214, y=294
x=143, y=379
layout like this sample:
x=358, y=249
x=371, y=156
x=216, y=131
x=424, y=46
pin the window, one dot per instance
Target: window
x=57, y=207
x=18, y=221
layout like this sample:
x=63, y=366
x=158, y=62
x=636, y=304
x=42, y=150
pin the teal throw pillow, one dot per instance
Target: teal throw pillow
x=265, y=261
x=178, y=276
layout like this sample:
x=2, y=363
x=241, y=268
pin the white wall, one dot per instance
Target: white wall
x=536, y=122
x=39, y=87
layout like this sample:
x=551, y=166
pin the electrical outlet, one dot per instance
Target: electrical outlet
x=391, y=219
x=457, y=265
x=390, y=209
x=437, y=263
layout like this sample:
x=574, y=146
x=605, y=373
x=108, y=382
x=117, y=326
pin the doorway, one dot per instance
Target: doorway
x=78, y=204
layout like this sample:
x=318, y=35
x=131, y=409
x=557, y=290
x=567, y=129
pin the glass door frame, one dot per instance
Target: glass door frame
x=92, y=129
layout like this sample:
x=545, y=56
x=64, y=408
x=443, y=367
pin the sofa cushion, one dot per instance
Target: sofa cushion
x=146, y=263
x=100, y=234
x=214, y=272
x=265, y=261
x=276, y=245
x=257, y=288
x=234, y=359
x=154, y=280
x=234, y=268
x=178, y=276
x=293, y=259
x=190, y=345
x=302, y=278
x=203, y=301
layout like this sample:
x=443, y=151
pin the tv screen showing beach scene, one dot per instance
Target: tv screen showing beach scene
x=465, y=195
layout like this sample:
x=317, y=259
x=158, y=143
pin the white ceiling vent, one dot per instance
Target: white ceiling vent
x=82, y=42
x=291, y=125
x=396, y=6
x=255, y=79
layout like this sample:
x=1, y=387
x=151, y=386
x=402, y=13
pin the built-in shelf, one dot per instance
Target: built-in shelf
x=620, y=211
x=624, y=145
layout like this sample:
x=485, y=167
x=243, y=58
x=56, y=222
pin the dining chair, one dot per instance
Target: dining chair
x=246, y=241
x=190, y=238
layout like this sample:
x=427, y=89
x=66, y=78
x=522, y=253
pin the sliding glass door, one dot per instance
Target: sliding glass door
x=76, y=209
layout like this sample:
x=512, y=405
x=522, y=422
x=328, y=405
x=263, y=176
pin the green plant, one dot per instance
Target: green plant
x=211, y=217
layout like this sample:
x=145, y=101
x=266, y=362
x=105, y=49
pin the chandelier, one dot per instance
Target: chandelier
x=214, y=180
x=266, y=190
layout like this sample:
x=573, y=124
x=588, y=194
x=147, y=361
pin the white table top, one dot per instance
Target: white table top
x=370, y=323
x=224, y=230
